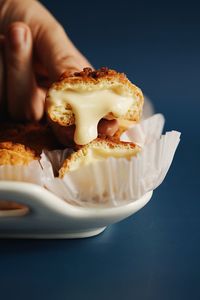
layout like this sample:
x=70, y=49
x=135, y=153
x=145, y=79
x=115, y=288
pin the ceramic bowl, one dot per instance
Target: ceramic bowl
x=41, y=214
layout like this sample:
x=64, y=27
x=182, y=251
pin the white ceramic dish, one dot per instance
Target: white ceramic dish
x=47, y=216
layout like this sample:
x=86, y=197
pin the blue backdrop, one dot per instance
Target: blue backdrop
x=155, y=253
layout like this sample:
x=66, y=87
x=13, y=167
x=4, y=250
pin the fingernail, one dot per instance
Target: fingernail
x=17, y=37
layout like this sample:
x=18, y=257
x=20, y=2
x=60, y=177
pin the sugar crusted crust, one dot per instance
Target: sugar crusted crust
x=91, y=76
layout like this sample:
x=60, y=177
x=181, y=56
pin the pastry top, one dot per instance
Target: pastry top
x=85, y=97
x=32, y=135
x=103, y=78
x=96, y=150
x=22, y=143
x=15, y=154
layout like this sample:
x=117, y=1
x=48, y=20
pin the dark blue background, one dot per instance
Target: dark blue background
x=155, y=253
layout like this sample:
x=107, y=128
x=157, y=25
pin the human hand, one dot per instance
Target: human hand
x=36, y=51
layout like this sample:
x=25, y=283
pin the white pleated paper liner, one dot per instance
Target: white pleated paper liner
x=115, y=182
x=35, y=172
x=145, y=132
x=31, y=173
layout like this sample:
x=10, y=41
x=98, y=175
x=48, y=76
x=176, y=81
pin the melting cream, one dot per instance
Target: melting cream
x=99, y=153
x=90, y=107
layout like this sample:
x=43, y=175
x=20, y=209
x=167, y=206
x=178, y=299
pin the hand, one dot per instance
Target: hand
x=36, y=51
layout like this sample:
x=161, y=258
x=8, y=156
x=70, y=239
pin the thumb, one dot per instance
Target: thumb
x=57, y=52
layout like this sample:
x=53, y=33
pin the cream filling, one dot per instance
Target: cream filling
x=125, y=124
x=89, y=107
x=97, y=154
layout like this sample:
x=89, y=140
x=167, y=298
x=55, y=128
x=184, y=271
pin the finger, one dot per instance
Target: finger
x=57, y=52
x=2, y=75
x=108, y=127
x=25, y=99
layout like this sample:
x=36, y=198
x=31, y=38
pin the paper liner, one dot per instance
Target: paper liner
x=113, y=181
x=110, y=182
x=145, y=132
x=32, y=172
x=56, y=158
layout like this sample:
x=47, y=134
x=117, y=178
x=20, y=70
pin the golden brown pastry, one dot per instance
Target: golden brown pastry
x=81, y=105
x=32, y=135
x=96, y=150
x=16, y=154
